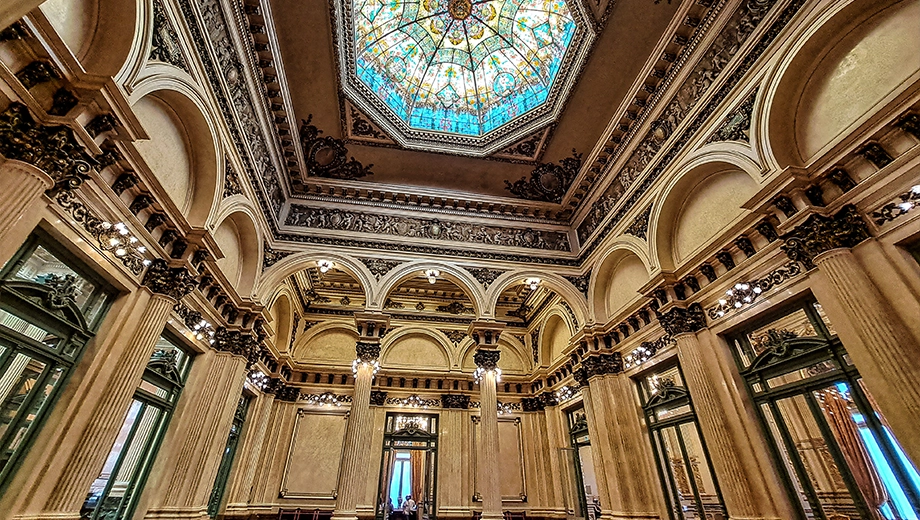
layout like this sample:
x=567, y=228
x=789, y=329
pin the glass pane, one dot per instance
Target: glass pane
x=823, y=472
x=24, y=372
x=652, y=383
x=871, y=470
x=589, y=480
x=702, y=473
x=673, y=502
x=673, y=459
x=825, y=319
x=29, y=330
x=817, y=369
x=42, y=267
x=112, y=491
x=168, y=352
x=787, y=461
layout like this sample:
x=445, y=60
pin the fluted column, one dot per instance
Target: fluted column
x=239, y=488
x=167, y=286
x=21, y=185
x=352, y=476
x=486, y=335
x=598, y=433
x=886, y=352
x=738, y=494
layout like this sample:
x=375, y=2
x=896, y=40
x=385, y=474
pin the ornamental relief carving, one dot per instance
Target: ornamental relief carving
x=742, y=24
x=819, y=233
x=412, y=227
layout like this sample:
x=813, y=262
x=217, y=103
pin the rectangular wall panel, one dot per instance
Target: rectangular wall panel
x=312, y=469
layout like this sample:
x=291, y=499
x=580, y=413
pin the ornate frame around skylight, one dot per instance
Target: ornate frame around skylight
x=556, y=20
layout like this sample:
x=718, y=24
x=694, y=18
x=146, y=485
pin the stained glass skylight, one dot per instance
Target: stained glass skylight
x=463, y=76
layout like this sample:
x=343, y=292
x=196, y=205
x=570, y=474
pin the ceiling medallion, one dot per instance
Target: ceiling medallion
x=461, y=76
x=327, y=156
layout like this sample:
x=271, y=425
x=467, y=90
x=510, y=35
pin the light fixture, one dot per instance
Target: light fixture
x=324, y=399
x=117, y=239
x=324, y=265
x=357, y=363
x=203, y=329
x=258, y=379
x=533, y=283
x=479, y=373
x=565, y=393
x=432, y=275
x=413, y=401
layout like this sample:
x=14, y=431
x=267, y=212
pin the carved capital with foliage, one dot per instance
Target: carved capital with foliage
x=367, y=352
x=532, y=404
x=175, y=282
x=603, y=364
x=819, y=234
x=378, y=398
x=680, y=321
x=486, y=359
x=456, y=401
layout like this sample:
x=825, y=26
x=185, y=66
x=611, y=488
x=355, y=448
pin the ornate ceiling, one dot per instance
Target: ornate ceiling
x=460, y=76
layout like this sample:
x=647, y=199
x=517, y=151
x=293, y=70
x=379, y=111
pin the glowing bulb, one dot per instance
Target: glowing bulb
x=758, y=290
x=432, y=275
x=906, y=206
x=722, y=302
x=533, y=283
x=915, y=189
x=146, y=262
x=120, y=252
x=324, y=266
x=745, y=287
x=737, y=305
x=142, y=249
x=114, y=241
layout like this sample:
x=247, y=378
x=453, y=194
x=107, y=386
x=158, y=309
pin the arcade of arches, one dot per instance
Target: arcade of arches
x=520, y=259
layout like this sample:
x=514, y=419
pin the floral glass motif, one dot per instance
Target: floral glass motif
x=460, y=66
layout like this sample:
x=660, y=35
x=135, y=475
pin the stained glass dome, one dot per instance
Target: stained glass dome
x=463, y=76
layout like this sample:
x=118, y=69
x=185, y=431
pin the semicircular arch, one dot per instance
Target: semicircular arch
x=284, y=268
x=564, y=288
x=456, y=274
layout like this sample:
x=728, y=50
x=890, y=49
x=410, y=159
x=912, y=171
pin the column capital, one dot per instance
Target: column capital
x=378, y=398
x=820, y=233
x=367, y=351
x=174, y=282
x=487, y=359
x=549, y=398
x=372, y=326
x=602, y=364
x=679, y=320
x=458, y=401
x=485, y=333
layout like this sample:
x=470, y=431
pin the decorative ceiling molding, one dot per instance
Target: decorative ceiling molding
x=164, y=44
x=639, y=226
x=379, y=267
x=231, y=182
x=430, y=229
x=484, y=276
x=611, y=206
x=548, y=182
x=580, y=282
x=360, y=128
x=528, y=149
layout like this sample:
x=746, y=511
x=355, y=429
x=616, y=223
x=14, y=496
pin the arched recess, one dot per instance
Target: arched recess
x=855, y=59
x=416, y=348
x=564, y=288
x=554, y=337
x=99, y=33
x=282, y=311
x=183, y=151
x=616, y=278
x=700, y=202
x=511, y=360
x=458, y=275
x=284, y=268
x=241, y=244
x=330, y=343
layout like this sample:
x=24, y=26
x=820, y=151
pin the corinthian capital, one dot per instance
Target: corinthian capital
x=679, y=321
x=175, y=282
x=819, y=233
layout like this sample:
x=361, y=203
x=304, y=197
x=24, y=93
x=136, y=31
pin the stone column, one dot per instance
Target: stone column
x=371, y=328
x=21, y=185
x=485, y=334
x=734, y=482
x=167, y=285
x=602, y=458
x=885, y=352
x=249, y=451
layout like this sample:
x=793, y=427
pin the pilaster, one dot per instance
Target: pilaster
x=486, y=335
x=249, y=451
x=21, y=185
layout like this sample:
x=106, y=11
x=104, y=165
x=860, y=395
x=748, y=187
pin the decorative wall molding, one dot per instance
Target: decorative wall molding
x=820, y=233
x=737, y=124
x=327, y=157
x=548, y=182
x=165, y=46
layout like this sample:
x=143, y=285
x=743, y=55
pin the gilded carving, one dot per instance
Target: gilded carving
x=487, y=359
x=327, y=156
x=819, y=233
x=680, y=321
x=548, y=182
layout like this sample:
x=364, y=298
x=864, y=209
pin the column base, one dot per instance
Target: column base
x=177, y=513
x=492, y=516
x=345, y=515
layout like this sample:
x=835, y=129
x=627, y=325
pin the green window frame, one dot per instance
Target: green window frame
x=831, y=445
x=51, y=305
x=227, y=459
x=113, y=495
x=684, y=466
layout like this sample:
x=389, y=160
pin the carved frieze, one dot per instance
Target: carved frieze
x=602, y=364
x=528, y=148
x=378, y=397
x=456, y=307
x=819, y=233
x=484, y=275
x=580, y=282
x=434, y=229
x=455, y=336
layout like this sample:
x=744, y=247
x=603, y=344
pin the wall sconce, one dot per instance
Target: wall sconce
x=117, y=239
x=432, y=275
x=324, y=265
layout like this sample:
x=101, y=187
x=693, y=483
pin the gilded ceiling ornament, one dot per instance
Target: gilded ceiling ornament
x=602, y=364
x=580, y=282
x=528, y=149
x=271, y=257
x=548, y=182
x=327, y=156
x=231, y=182
x=36, y=73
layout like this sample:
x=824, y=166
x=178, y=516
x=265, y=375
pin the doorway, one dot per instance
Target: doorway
x=408, y=468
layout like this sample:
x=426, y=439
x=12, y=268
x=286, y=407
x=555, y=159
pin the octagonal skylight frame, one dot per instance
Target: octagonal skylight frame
x=431, y=140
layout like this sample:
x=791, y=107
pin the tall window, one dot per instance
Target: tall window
x=683, y=462
x=581, y=460
x=50, y=307
x=408, y=468
x=114, y=493
x=226, y=461
x=839, y=455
